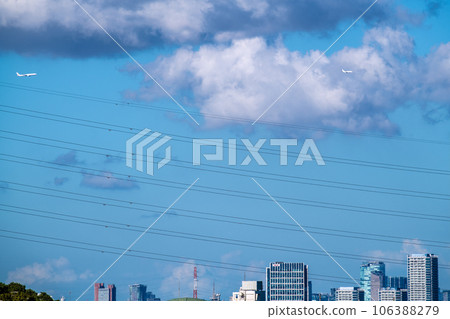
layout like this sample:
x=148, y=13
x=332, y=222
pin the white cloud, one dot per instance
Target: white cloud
x=242, y=78
x=54, y=270
x=435, y=72
x=409, y=246
x=176, y=20
x=30, y=14
x=58, y=27
x=413, y=246
x=183, y=276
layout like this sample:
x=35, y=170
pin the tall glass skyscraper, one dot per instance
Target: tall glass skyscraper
x=365, y=277
x=423, y=280
x=138, y=292
x=287, y=281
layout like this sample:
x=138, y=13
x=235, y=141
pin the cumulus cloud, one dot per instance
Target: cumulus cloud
x=61, y=28
x=183, y=275
x=413, y=246
x=54, y=270
x=242, y=78
x=409, y=246
x=106, y=180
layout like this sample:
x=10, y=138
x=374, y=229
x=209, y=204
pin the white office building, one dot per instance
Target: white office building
x=349, y=294
x=392, y=294
x=423, y=280
x=250, y=291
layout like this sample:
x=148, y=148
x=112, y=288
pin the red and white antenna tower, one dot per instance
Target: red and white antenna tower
x=195, y=283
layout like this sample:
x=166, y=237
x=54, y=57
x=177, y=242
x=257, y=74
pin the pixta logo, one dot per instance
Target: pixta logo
x=140, y=146
x=253, y=151
x=201, y=149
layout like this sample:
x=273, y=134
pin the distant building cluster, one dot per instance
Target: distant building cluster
x=288, y=281
x=138, y=292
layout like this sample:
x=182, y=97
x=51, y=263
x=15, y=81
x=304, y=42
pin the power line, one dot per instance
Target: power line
x=229, y=241
x=171, y=233
x=358, y=237
x=116, y=102
x=187, y=139
x=308, y=251
x=128, y=176
x=294, y=179
x=301, y=202
x=268, y=224
x=102, y=250
x=214, y=239
x=116, y=253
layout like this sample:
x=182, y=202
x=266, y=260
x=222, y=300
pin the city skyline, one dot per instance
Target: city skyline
x=253, y=80
x=291, y=277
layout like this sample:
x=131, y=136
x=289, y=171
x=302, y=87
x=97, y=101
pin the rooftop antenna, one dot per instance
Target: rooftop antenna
x=195, y=283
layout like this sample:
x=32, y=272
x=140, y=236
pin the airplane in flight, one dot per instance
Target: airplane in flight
x=26, y=74
x=344, y=71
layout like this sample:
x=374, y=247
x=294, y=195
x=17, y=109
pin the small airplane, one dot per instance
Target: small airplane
x=344, y=71
x=26, y=74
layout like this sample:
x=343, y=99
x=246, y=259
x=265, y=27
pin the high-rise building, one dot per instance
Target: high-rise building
x=392, y=294
x=423, y=280
x=138, y=292
x=376, y=283
x=396, y=282
x=250, y=291
x=287, y=281
x=366, y=276
x=112, y=292
x=349, y=294
x=97, y=286
x=102, y=293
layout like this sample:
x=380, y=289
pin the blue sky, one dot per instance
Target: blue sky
x=383, y=131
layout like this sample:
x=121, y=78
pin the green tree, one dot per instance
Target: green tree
x=17, y=292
